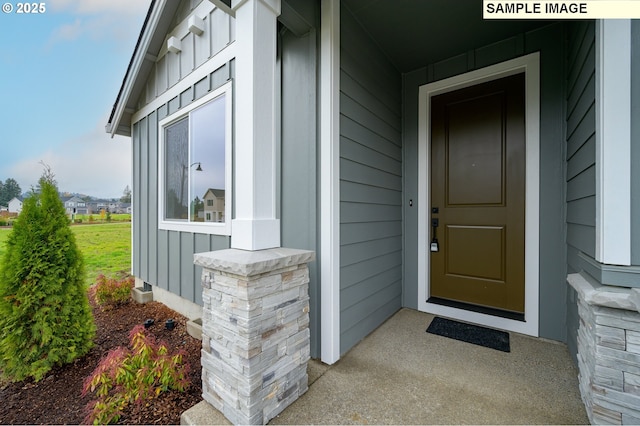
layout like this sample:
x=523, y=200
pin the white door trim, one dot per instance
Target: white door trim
x=530, y=65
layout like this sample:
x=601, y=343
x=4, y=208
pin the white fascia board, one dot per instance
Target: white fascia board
x=613, y=141
x=138, y=59
x=330, y=181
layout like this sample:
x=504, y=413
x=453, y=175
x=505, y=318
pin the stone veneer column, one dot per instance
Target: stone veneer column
x=608, y=351
x=255, y=331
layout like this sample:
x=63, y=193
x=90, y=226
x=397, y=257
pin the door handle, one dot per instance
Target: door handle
x=435, y=222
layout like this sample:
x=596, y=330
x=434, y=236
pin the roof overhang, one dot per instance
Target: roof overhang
x=151, y=39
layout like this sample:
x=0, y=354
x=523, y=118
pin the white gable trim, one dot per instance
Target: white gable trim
x=530, y=65
x=137, y=61
x=613, y=141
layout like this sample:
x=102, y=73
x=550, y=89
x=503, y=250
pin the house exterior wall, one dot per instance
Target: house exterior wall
x=581, y=143
x=552, y=269
x=171, y=67
x=370, y=185
x=298, y=159
x=161, y=257
x=581, y=157
x=635, y=142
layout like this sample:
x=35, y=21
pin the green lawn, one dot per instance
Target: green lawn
x=106, y=248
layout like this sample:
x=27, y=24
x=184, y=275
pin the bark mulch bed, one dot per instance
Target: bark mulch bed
x=56, y=399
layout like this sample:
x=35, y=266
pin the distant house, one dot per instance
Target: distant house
x=4, y=209
x=214, y=205
x=15, y=205
x=75, y=205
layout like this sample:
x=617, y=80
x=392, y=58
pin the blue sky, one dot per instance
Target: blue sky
x=60, y=72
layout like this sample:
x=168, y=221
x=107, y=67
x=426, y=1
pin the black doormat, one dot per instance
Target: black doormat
x=469, y=333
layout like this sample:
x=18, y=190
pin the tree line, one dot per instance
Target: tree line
x=9, y=189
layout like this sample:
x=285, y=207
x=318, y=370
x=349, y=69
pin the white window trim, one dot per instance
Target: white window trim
x=613, y=141
x=212, y=228
x=530, y=64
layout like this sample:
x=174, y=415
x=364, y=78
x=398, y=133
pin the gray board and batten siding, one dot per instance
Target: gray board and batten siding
x=370, y=185
x=547, y=40
x=165, y=258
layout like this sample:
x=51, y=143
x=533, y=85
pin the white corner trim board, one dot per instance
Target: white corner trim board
x=613, y=141
x=330, y=180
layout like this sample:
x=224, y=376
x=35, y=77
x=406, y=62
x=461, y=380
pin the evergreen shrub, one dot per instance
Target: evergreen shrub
x=45, y=316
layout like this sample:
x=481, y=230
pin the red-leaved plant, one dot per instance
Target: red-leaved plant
x=111, y=292
x=133, y=375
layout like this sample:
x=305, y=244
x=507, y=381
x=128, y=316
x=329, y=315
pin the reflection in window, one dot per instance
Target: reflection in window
x=176, y=159
x=194, y=165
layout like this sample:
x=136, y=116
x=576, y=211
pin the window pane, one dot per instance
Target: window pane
x=208, y=153
x=176, y=154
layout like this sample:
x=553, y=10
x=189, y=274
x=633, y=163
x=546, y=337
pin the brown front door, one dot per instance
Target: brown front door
x=478, y=195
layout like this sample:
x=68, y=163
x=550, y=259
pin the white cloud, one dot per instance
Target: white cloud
x=99, y=19
x=67, y=32
x=93, y=164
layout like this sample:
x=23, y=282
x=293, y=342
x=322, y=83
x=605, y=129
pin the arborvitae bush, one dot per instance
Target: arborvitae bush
x=45, y=317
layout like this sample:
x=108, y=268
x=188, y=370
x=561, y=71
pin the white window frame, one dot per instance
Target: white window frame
x=212, y=228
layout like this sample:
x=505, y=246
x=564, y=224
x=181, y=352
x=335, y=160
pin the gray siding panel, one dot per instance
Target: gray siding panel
x=363, y=193
x=581, y=177
x=553, y=270
x=137, y=224
x=152, y=218
x=187, y=268
x=582, y=159
x=355, y=131
x=499, y=52
x=173, y=258
x=299, y=186
x=170, y=67
x=144, y=193
x=351, y=171
x=160, y=257
x=582, y=237
x=371, y=185
x=583, y=185
x=163, y=265
x=635, y=142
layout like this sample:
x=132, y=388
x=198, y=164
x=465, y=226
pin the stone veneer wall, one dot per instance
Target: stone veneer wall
x=255, y=331
x=608, y=351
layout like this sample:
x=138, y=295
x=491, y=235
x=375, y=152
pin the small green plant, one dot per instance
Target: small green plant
x=127, y=376
x=111, y=292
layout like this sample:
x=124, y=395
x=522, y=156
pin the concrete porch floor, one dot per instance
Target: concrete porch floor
x=400, y=374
